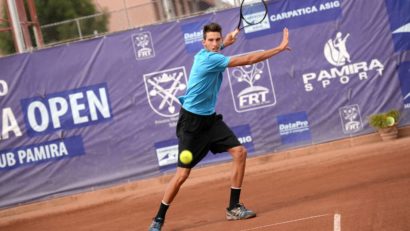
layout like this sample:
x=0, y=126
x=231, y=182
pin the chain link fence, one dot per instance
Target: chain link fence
x=118, y=20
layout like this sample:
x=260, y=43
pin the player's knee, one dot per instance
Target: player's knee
x=182, y=176
x=240, y=153
x=243, y=153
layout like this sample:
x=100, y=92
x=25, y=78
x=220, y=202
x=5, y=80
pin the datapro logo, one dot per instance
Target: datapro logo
x=163, y=89
x=193, y=35
x=351, y=118
x=399, y=18
x=143, y=46
x=404, y=76
x=294, y=128
x=251, y=86
x=344, y=68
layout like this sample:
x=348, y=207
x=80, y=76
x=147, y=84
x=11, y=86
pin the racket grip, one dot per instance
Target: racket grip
x=222, y=46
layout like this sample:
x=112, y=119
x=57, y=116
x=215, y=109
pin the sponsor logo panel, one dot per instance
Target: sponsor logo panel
x=404, y=76
x=351, y=119
x=193, y=35
x=167, y=152
x=399, y=18
x=294, y=128
x=345, y=66
x=243, y=132
x=143, y=45
x=251, y=87
x=163, y=89
x=67, y=110
x=53, y=150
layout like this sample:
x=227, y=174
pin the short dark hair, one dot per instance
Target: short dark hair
x=212, y=27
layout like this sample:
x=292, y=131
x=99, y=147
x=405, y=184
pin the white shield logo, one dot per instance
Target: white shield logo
x=163, y=89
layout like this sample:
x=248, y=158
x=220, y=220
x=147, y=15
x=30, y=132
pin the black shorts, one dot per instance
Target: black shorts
x=201, y=134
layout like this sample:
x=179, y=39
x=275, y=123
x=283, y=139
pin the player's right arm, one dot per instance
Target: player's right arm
x=230, y=38
x=261, y=55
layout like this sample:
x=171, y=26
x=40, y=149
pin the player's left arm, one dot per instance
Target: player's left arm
x=261, y=55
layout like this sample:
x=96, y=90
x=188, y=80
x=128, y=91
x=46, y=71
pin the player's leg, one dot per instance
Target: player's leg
x=190, y=137
x=223, y=139
x=239, y=154
x=175, y=184
x=170, y=192
x=236, y=210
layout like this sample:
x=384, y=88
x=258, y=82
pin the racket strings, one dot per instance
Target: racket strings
x=253, y=12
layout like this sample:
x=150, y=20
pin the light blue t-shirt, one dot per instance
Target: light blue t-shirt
x=204, y=82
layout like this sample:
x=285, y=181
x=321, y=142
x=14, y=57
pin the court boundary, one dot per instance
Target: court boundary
x=336, y=224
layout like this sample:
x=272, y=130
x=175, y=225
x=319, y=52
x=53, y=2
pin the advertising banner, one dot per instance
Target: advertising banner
x=103, y=111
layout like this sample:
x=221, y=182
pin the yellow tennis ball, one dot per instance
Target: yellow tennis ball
x=390, y=121
x=185, y=157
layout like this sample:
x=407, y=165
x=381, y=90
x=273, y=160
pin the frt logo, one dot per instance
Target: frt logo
x=251, y=86
x=351, y=119
x=143, y=46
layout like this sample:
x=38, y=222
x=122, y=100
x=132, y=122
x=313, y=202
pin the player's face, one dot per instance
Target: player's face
x=212, y=41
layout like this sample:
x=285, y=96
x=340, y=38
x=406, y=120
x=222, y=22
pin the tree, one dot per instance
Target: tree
x=54, y=11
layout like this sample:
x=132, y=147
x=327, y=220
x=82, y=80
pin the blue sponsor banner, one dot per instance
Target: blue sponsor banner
x=340, y=76
x=193, y=35
x=404, y=76
x=399, y=17
x=66, y=110
x=294, y=128
x=243, y=132
x=295, y=14
x=39, y=153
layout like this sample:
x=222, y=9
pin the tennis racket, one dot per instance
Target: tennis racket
x=252, y=12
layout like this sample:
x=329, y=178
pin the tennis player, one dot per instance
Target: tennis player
x=200, y=129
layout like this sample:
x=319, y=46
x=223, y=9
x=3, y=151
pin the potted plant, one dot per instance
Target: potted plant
x=386, y=124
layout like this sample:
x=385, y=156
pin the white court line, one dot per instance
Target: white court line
x=291, y=221
x=337, y=222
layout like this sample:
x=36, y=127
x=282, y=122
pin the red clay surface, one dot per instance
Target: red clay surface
x=368, y=184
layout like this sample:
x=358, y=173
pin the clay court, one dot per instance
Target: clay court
x=352, y=184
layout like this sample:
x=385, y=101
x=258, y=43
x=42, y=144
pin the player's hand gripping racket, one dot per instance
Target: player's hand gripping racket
x=252, y=12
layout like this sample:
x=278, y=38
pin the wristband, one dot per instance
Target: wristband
x=222, y=46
